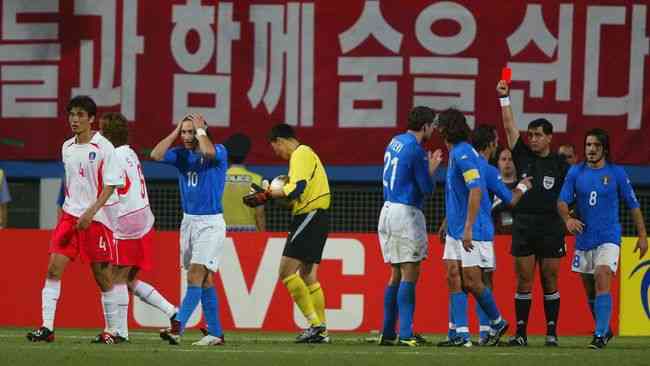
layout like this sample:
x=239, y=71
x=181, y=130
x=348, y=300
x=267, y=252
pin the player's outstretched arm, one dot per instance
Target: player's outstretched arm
x=158, y=152
x=473, y=205
x=503, y=91
x=522, y=187
x=642, y=242
x=205, y=145
x=87, y=217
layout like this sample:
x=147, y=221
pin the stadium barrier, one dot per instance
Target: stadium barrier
x=353, y=276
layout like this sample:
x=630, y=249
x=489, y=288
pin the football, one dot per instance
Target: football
x=279, y=182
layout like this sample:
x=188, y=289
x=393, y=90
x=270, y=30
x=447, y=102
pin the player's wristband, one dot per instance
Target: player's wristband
x=505, y=101
x=522, y=187
x=201, y=132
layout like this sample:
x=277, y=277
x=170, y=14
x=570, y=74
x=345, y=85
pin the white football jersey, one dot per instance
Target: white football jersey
x=134, y=216
x=84, y=165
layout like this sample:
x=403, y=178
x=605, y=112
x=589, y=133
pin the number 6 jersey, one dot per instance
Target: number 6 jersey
x=133, y=215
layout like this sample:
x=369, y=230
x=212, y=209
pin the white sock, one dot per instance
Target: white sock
x=49, y=299
x=122, y=297
x=149, y=295
x=109, y=304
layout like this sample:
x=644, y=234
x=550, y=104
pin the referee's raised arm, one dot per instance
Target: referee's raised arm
x=503, y=91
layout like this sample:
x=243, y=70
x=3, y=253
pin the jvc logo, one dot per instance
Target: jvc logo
x=250, y=307
x=645, y=284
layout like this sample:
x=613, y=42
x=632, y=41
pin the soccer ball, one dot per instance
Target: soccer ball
x=278, y=182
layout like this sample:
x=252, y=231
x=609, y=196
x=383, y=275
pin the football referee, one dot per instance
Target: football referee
x=309, y=193
x=538, y=231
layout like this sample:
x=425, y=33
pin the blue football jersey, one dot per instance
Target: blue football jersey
x=201, y=181
x=406, y=176
x=597, y=193
x=463, y=174
x=483, y=228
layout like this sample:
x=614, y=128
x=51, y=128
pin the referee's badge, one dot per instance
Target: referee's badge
x=548, y=182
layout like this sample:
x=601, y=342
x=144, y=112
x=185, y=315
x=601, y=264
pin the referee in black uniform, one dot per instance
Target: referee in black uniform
x=538, y=231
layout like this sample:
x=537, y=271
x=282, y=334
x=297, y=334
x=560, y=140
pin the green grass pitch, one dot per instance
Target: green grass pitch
x=72, y=347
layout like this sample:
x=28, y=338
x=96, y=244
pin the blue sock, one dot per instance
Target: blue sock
x=486, y=301
x=406, y=308
x=390, y=311
x=190, y=301
x=210, y=305
x=603, y=308
x=483, y=321
x=459, y=307
x=451, y=331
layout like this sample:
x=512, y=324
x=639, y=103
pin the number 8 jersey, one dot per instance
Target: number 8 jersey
x=133, y=217
x=597, y=193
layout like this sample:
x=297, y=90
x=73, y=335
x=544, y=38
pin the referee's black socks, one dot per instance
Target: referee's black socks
x=551, y=310
x=522, y=309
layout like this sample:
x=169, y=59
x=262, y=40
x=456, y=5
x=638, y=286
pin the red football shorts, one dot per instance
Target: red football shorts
x=94, y=244
x=135, y=252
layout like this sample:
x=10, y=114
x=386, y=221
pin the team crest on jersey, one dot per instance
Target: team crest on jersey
x=548, y=182
x=605, y=180
x=92, y=155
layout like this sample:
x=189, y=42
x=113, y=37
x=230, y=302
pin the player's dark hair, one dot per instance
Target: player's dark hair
x=603, y=137
x=571, y=146
x=238, y=146
x=115, y=128
x=281, y=130
x=82, y=102
x=420, y=116
x=546, y=126
x=483, y=136
x=453, y=126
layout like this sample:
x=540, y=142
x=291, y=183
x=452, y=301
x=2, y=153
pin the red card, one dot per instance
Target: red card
x=506, y=74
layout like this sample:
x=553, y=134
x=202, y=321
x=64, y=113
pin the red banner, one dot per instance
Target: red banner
x=352, y=274
x=340, y=74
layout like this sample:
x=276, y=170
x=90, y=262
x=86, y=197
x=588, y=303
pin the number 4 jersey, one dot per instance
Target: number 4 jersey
x=133, y=216
x=597, y=193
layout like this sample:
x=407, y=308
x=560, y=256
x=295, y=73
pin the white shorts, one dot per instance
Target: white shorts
x=586, y=261
x=402, y=233
x=481, y=256
x=202, y=240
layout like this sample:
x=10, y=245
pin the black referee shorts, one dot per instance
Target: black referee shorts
x=307, y=236
x=538, y=235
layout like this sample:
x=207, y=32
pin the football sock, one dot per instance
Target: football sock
x=149, y=295
x=451, y=332
x=459, y=307
x=318, y=299
x=210, y=305
x=49, y=299
x=522, y=309
x=406, y=308
x=390, y=311
x=122, y=298
x=190, y=301
x=486, y=301
x=551, y=310
x=603, y=309
x=483, y=322
x=300, y=295
x=109, y=305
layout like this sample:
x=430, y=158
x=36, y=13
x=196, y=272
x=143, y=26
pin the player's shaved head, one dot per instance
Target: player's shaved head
x=115, y=128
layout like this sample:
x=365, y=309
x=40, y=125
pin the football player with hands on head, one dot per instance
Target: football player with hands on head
x=597, y=186
x=202, y=169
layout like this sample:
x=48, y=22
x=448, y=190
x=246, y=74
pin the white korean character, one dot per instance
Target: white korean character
x=29, y=91
x=456, y=85
x=534, y=30
x=296, y=45
x=369, y=88
x=632, y=103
